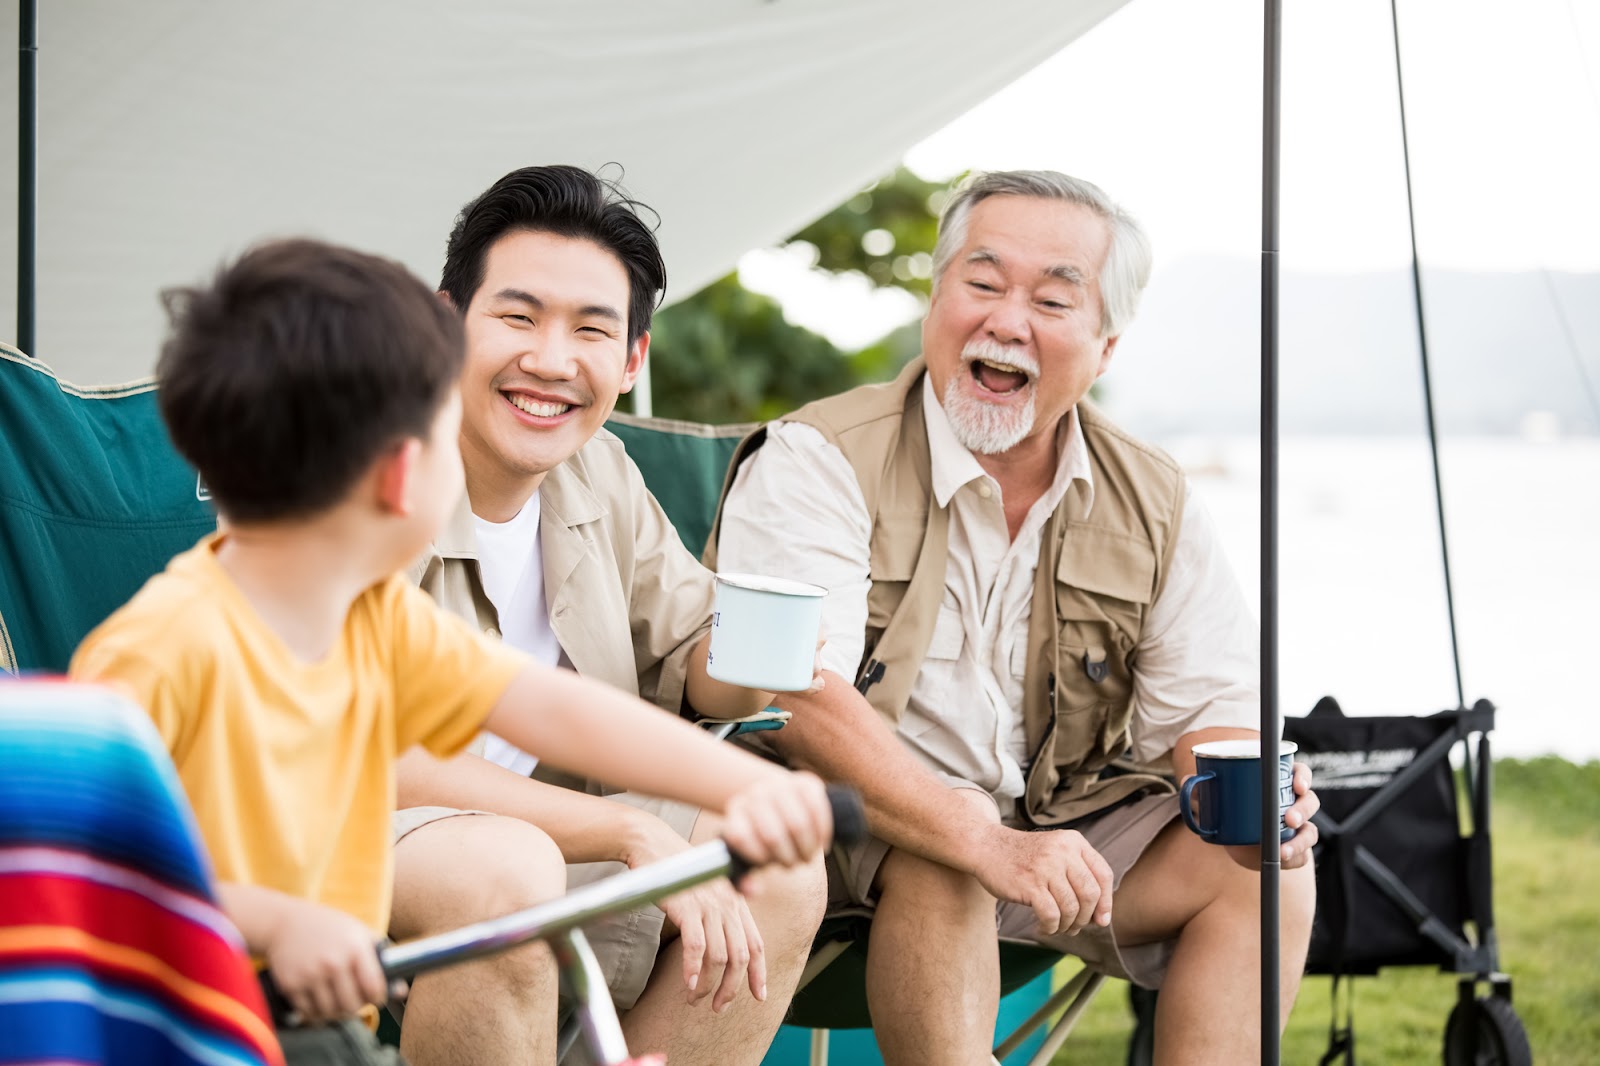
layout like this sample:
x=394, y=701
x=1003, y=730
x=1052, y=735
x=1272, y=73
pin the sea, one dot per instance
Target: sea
x=1361, y=580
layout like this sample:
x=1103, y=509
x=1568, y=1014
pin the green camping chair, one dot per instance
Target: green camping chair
x=93, y=500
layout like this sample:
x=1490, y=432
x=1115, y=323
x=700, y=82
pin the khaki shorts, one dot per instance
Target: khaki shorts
x=1120, y=835
x=626, y=944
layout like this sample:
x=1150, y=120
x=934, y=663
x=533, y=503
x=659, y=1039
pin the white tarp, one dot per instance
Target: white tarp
x=176, y=132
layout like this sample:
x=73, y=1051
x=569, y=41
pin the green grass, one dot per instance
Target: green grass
x=1546, y=828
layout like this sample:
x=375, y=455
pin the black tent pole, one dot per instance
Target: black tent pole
x=1271, y=728
x=27, y=166
x=1427, y=374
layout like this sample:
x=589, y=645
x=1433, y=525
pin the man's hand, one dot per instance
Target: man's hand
x=324, y=961
x=721, y=945
x=1055, y=872
x=784, y=818
x=1297, y=852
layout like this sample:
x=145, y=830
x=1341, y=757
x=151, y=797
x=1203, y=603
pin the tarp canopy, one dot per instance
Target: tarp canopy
x=174, y=133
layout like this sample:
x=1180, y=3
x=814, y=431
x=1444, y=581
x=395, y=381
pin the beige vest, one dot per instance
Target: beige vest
x=1097, y=576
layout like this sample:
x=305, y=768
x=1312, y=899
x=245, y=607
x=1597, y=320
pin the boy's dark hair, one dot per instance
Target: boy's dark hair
x=568, y=202
x=286, y=377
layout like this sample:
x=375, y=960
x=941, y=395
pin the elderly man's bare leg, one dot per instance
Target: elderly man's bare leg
x=501, y=1008
x=933, y=963
x=1208, y=1010
x=787, y=907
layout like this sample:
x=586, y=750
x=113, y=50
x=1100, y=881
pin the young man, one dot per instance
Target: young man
x=1021, y=591
x=286, y=661
x=559, y=549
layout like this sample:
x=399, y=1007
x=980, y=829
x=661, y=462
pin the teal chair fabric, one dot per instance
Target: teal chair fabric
x=93, y=500
x=683, y=463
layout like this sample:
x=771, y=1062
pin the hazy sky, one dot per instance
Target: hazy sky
x=1161, y=106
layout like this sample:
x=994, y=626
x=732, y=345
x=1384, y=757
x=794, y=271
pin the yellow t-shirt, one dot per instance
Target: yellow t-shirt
x=290, y=765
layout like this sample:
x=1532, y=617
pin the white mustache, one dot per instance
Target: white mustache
x=995, y=352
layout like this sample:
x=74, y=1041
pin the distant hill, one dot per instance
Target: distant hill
x=1510, y=352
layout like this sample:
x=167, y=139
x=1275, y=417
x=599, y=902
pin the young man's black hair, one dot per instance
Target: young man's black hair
x=290, y=373
x=567, y=201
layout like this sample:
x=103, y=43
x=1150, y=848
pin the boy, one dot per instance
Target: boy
x=287, y=664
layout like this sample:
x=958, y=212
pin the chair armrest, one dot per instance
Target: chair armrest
x=724, y=728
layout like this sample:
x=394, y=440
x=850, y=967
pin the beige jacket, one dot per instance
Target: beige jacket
x=627, y=601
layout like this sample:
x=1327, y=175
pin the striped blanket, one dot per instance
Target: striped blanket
x=112, y=949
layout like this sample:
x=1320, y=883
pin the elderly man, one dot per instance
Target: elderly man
x=1020, y=591
x=559, y=549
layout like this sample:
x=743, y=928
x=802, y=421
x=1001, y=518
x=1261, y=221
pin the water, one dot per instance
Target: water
x=1361, y=585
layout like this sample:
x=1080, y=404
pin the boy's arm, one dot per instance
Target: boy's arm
x=590, y=729
x=324, y=961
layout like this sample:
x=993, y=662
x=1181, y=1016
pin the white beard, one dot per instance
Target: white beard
x=983, y=427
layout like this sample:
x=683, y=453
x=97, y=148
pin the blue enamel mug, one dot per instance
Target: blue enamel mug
x=1228, y=786
x=764, y=632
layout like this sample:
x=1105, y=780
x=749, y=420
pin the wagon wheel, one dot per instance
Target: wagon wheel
x=1485, y=1031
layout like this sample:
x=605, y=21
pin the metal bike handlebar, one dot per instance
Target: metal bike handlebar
x=559, y=919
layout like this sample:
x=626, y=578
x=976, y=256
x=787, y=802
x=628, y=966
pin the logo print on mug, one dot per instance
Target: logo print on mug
x=1228, y=786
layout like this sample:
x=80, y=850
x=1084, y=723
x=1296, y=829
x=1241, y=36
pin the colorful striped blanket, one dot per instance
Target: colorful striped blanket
x=112, y=948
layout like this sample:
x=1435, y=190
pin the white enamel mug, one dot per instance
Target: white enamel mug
x=764, y=632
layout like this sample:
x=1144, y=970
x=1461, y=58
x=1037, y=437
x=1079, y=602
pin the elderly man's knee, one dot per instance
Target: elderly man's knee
x=1297, y=900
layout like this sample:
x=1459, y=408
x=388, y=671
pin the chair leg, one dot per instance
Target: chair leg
x=1063, y=1028
x=819, y=1047
x=1057, y=1000
x=820, y=960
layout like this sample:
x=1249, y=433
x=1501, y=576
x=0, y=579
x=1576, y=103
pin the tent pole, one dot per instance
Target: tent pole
x=1271, y=728
x=1427, y=375
x=27, y=166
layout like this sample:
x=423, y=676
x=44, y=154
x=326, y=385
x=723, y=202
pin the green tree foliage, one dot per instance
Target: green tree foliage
x=727, y=354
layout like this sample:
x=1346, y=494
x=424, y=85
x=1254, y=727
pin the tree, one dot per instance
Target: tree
x=727, y=354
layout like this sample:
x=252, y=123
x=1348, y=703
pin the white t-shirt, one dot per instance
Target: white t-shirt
x=511, y=564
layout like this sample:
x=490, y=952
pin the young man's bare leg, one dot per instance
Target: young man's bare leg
x=933, y=963
x=501, y=1008
x=787, y=906
x=1209, y=1006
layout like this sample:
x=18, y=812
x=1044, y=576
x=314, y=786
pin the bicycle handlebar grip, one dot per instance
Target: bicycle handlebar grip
x=849, y=814
x=849, y=826
x=279, y=1009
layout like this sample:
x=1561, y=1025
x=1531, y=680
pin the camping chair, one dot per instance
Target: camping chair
x=93, y=500
x=112, y=947
x=684, y=464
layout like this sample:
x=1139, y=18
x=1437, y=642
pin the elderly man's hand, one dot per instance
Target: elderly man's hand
x=1056, y=872
x=1297, y=852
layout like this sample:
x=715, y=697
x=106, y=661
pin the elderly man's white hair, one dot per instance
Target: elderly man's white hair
x=1127, y=265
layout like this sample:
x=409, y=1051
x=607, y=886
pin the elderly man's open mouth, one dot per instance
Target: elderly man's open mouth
x=998, y=377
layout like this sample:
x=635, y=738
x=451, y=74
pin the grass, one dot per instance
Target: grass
x=1546, y=830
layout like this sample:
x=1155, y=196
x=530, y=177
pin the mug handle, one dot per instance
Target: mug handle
x=1186, y=806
